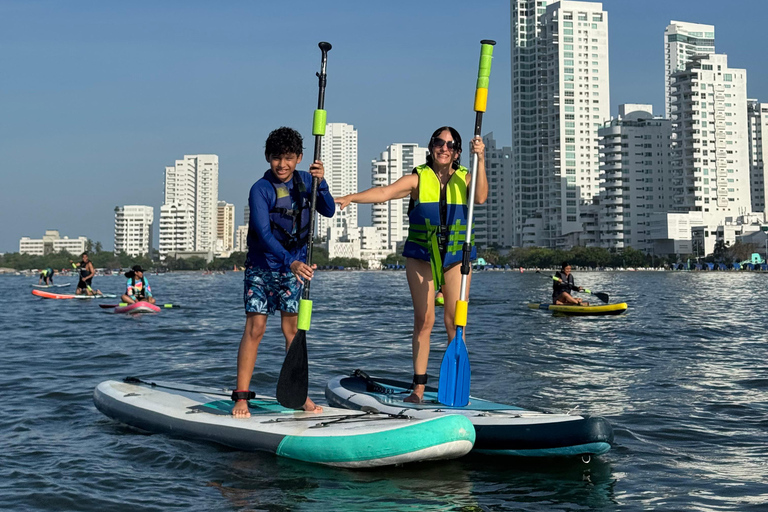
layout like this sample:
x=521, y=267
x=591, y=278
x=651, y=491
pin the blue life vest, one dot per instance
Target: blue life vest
x=438, y=221
x=290, y=225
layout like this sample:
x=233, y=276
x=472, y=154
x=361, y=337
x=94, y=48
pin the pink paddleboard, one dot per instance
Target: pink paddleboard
x=138, y=307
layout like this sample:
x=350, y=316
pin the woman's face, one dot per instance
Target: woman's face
x=567, y=270
x=441, y=154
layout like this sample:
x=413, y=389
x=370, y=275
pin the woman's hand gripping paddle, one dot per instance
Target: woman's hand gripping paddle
x=453, y=388
x=293, y=383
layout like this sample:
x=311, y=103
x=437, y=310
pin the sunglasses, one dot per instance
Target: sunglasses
x=450, y=144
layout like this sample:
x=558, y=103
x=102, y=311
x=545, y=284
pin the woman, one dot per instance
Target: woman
x=437, y=218
x=563, y=283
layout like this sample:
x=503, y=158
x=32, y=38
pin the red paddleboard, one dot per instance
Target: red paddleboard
x=138, y=307
x=49, y=295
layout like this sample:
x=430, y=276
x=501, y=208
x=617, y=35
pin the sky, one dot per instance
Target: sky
x=97, y=98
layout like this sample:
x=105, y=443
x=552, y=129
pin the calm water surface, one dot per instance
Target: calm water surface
x=682, y=378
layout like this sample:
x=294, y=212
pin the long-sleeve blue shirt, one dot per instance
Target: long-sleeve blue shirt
x=264, y=250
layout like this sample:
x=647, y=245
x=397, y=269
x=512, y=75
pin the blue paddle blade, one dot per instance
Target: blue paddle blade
x=453, y=389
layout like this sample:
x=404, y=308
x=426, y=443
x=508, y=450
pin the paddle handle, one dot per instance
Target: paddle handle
x=318, y=130
x=481, y=100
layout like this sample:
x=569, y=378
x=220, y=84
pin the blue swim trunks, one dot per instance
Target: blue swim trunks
x=267, y=291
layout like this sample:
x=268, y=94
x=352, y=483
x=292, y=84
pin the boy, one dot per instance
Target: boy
x=278, y=231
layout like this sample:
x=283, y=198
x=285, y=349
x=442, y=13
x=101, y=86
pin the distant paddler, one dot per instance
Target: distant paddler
x=562, y=284
x=87, y=271
x=137, y=287
x=46, y=276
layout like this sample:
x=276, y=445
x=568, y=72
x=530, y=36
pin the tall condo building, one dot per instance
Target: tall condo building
x=758, y=150
x=391, y=218
x=339, y=156
x=560, y=97
x=682, y=41
x=190, y=202
x=634, y=180
x=225, y=228
x=493, y=225
x=710, y=140
x=133, y=229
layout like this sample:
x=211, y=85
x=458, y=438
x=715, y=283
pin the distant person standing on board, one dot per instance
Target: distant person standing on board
x=87, y=271
x=561, y=288
x=137, y=287
x=278, y=231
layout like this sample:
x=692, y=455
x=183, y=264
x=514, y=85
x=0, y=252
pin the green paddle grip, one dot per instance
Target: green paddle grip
x=484, y=74
x=167, y=305
x=318, y=122
x=305, y=314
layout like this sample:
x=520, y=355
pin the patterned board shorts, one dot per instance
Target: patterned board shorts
x=267, y=291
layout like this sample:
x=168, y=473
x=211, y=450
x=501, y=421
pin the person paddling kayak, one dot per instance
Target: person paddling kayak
x=137, y=287
x=562, y=285
x=278, y=230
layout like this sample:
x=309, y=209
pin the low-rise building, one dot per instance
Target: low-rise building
x=52, y=242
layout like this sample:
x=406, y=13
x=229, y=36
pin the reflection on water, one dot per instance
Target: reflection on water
x=681, y=376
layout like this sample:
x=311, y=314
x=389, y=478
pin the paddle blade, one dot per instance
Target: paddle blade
x=602, y=296
x=107, y=306
x=453, y=389
x=293, y=384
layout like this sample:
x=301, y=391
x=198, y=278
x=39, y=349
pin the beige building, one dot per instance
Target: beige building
x=52, y=242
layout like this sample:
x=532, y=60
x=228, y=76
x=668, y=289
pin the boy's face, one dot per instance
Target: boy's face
x=284, y=165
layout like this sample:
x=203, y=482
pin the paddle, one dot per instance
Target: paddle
x=123, y=304
x=600, y=295
x=293, y=383
x=453, y=388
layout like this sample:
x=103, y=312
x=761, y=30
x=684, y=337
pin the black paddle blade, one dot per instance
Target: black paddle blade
x=293, y=384
x=602, y=296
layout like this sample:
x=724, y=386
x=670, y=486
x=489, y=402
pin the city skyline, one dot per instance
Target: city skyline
x=111, y=91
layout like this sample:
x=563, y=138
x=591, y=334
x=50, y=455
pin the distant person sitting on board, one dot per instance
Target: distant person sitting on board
x=137, y=288
x=563, y=285
x=433, y=250
x=278, y=232
x=87, y=271
x=46, y=276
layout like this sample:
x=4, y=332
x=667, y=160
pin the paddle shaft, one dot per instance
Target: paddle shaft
x=318, y=130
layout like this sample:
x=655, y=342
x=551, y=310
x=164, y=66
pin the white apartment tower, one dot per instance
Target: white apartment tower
x=758, y=150
x=711, y=172
x=225, y=227
x=191, y=197
x=133, y=229
x=339, y=157
x=493, y=225
x=682, y=41
x=635, y=179
x=391, y=218
x=560, y=97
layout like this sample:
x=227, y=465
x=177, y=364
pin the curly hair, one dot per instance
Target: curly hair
x=456, y=138
x=283, y=141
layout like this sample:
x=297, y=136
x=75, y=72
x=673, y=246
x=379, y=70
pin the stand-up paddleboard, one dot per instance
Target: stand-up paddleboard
x=500, y=429
x=49, y=295
x=334, y=437
x=137, y=307
x=597, y=310
x=62, y=285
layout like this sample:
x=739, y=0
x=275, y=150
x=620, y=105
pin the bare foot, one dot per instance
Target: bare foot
x=417, y=396
x=240, y=410
x=310, y=406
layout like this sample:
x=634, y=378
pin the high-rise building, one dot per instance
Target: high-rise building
x=758, y=150
x=191, y=186
x=391, y=218
x=225, y=228
x=241, y=238
x=339, y=157
x=635, y=179
x=560, y=97
x=683, y=41
x=711, y=172
x=133, y=229
x=493, y=226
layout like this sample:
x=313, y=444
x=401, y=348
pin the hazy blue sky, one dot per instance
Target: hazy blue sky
x=96, y=98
